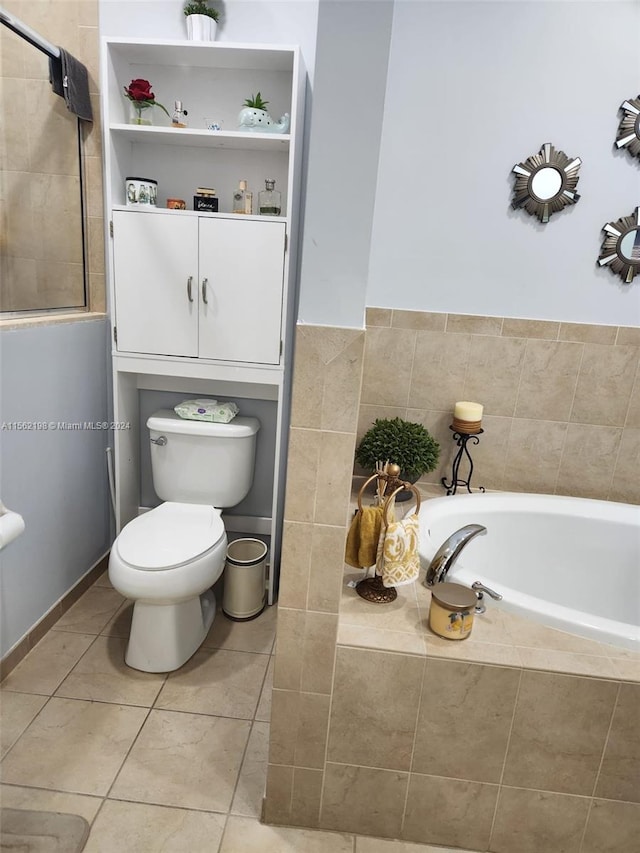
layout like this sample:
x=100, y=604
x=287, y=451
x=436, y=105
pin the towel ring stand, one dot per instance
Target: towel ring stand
x=372, y=589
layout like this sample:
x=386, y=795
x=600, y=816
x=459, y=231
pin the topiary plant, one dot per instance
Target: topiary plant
x=199, y=7
x=409, y=445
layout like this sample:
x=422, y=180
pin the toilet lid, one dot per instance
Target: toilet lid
x=170, y=534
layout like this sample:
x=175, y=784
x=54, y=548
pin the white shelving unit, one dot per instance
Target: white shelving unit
x=201, y=303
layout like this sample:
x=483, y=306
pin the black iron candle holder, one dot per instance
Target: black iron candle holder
x=462, y=439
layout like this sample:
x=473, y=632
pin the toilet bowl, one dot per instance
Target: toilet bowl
x=167, y=559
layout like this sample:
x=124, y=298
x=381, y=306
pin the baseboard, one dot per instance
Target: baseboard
x=37, y=632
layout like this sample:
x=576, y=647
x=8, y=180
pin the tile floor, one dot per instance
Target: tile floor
x=173, y=763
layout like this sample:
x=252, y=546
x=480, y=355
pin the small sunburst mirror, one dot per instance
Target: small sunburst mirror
x=629, y=130
x=546, y=182
x=620, y=249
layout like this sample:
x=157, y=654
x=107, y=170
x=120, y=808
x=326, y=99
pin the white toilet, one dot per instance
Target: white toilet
x=168, y=559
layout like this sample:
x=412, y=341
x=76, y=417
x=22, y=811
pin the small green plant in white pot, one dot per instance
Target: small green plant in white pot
x=202, y=21
x=408, y=444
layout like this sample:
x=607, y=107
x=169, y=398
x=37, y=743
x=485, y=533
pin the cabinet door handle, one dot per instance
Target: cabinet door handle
x=189, y=283
x=204, y=290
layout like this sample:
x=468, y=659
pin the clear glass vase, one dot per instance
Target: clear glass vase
x=140, y=112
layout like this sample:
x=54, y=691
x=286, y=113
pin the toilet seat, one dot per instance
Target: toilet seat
x=170, y=535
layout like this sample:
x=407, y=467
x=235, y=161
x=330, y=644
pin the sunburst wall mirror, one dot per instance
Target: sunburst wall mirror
x=546, y=182
x=620, y=249
x=629, y=130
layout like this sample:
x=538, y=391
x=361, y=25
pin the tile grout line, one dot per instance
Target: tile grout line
x=606, y=740
x=246, y=748
x=326, y=745
x=504, y=760
x=415, y=738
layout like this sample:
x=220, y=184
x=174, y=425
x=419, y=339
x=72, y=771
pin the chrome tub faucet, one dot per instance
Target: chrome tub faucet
x=449, y=551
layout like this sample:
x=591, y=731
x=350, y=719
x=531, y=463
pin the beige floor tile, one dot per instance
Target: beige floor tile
x=139, y=828
x=216, y=681
x=246, y=835
x=102, y=675
x=264, y=705
x=16, y=712
x=48, y=663
x=120, y=623
x=17, y=797
x=186, y=760
x=74, y=746
x=382, y=845
x=256, y=635
x=247, y=799
x=91, y=612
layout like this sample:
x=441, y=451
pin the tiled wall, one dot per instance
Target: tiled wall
x=39, y=207
x=481, y=757
x=326, y=390
x=345, y=752
x=561, y=400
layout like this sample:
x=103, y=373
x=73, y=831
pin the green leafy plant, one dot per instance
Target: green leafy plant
x=409, y=445
x=199, y=7
x=256, y=102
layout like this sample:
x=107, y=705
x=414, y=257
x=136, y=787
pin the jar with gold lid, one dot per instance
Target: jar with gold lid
x=452, y=609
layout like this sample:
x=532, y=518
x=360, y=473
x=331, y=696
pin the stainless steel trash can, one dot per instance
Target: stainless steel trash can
x=244, y=595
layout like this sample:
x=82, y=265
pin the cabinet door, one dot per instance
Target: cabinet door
x=242, y=262
x=154, y=256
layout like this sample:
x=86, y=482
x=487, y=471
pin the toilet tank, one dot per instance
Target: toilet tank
x=201, y=462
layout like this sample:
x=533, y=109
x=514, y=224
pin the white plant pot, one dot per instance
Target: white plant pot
x=201, y=28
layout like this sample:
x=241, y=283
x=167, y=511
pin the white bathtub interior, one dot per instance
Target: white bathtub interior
x=569, y=563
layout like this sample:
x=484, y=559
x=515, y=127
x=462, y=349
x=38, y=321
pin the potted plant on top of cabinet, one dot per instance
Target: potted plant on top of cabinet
x=202, y=21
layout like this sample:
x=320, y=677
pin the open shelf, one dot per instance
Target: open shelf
x=200, y=138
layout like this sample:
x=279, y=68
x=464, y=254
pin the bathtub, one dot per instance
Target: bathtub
x=569, y=563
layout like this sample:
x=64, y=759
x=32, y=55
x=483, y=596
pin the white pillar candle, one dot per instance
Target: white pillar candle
x=466, y=411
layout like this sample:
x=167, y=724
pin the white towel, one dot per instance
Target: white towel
x=397, y=560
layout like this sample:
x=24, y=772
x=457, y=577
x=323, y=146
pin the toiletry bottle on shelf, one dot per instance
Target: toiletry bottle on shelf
x=269, y=199
x=179, y=116
x=242, y=199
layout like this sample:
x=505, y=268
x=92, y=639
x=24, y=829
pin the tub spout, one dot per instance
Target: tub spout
x=449, y=552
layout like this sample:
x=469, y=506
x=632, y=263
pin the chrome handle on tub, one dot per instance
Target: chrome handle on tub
x=479, y=588
x=160, y=441
x=189, y=293
x=205, y=281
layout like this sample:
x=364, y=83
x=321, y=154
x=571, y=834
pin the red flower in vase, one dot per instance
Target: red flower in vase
x=139, y=91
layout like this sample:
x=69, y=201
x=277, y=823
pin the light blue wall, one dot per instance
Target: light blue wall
x=473, y=88
x=55, y=478
x=345, y=125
